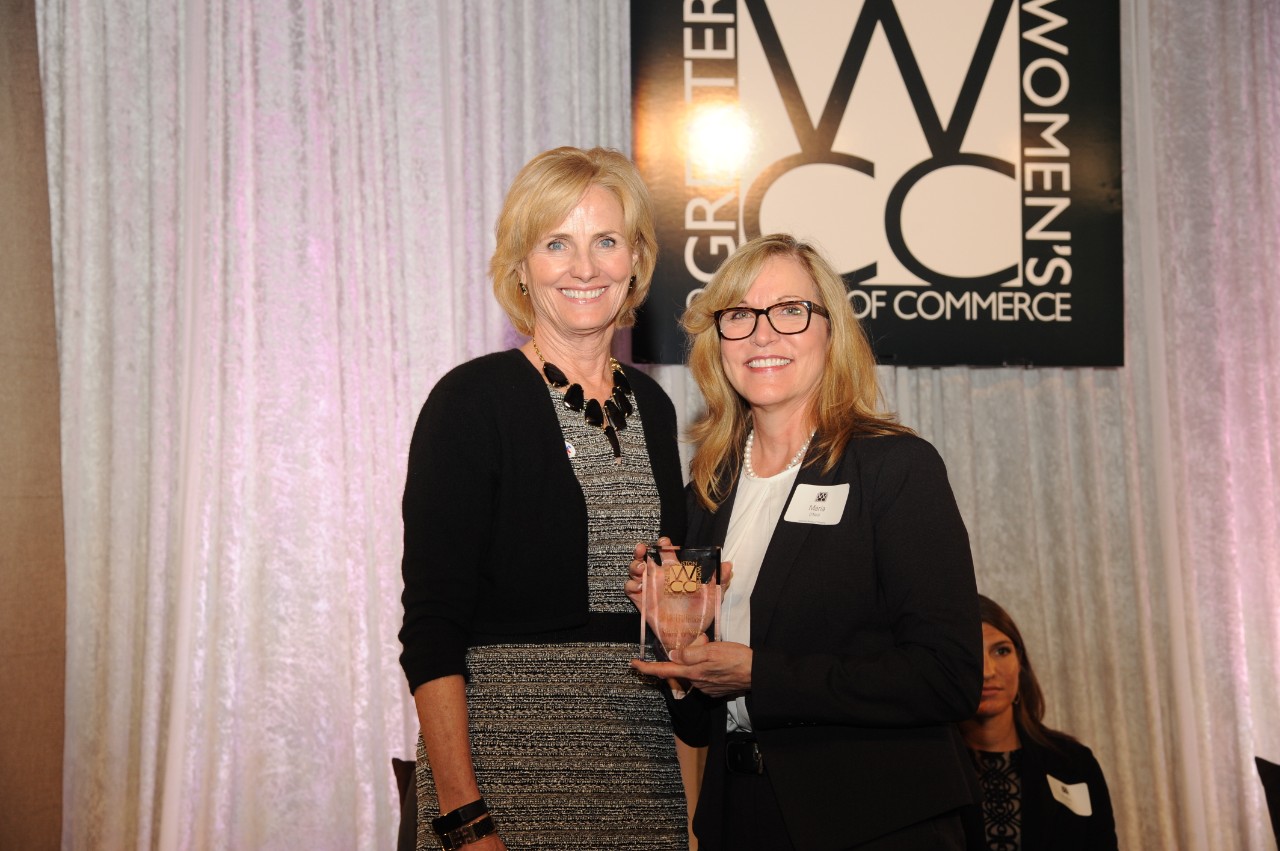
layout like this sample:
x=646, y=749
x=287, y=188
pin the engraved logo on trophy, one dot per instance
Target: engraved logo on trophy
x=683, y=578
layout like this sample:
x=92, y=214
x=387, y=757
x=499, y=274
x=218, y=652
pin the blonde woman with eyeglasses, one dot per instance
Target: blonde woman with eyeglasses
x=850, y=633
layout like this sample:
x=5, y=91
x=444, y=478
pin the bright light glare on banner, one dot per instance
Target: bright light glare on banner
x=720, y=140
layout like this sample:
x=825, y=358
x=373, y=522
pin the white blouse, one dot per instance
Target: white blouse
x=756, y=510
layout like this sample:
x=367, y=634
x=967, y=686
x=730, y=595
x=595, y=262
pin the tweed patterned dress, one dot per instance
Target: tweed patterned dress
x=572, y=748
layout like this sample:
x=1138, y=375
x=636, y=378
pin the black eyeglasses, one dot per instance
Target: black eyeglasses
x=785, y=317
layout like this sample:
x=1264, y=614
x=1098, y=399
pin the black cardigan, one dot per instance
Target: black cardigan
x=495, y=523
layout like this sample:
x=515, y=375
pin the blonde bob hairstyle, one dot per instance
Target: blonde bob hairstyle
x=542, y=196
x=847, y=402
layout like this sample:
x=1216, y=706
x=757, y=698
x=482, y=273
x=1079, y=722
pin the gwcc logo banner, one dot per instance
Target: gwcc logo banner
x=959, y=161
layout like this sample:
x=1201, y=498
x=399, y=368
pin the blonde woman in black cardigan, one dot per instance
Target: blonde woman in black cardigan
x=532, y=474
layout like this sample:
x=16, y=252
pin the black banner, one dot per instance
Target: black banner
x=958, y=161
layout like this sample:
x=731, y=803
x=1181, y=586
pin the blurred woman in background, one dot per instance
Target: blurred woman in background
x=1042, y=789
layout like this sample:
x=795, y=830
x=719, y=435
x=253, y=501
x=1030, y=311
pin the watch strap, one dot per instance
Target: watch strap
x=455, y=819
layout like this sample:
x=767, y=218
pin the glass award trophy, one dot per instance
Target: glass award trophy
x=681, y=594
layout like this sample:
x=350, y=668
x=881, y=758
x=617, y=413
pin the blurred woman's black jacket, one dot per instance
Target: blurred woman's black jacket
x=1047, y=824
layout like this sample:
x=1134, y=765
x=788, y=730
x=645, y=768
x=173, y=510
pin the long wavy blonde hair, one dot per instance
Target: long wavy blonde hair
x=544, y=192
x=847, y=402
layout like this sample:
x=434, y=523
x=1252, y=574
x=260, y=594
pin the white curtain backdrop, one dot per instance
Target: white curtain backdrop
x=271, y=223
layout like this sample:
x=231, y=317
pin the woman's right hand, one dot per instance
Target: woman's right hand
x=715, y=668
x=635, y=573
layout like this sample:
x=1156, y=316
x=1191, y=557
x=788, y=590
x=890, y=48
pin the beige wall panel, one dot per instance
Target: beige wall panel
x=32, y=568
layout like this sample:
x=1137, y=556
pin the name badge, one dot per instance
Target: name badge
x=820, y=504
x=1073, y=796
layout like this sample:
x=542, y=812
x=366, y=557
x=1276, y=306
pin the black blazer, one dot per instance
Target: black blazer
x=1048, y=825
x=867, y=646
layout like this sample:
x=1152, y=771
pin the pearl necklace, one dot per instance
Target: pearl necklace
x=746, y=456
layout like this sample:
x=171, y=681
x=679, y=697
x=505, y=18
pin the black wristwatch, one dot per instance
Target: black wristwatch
x=455, y=819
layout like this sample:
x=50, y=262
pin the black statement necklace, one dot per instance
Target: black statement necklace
x=611, y=417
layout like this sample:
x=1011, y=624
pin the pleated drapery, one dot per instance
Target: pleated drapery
x=271, y=224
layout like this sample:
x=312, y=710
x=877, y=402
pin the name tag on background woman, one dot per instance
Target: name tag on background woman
x=820, y=504
x=1073, y=796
